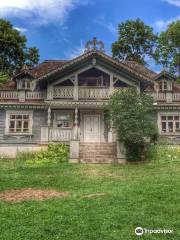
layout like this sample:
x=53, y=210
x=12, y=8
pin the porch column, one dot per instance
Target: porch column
x=49, y=117
x=74, y=143
x=76, y=87
x=50, y=91
x=75, y=135
x=45, y=129
x=169, y=97
x=111, y=87
x=110, y=133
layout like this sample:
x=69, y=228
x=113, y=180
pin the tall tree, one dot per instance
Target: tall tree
x=168, y=51
x=136, y=41
x=14, y=52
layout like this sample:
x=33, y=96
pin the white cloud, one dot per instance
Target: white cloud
x=101, y=20
x=20, y=29
x=41, y=12
x=76, y=51
x=173, y=2
x=161, y=25
x=112, y=28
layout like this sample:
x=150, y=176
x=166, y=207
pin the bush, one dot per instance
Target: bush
x=132, y=115
x=55, y=153
x=164, y=153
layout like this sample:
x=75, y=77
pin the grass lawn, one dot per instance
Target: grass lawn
x=145, y=195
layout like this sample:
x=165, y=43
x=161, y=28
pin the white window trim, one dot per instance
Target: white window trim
x=160, y=114
x=26, y=81
x=168, y=85
x=8, y=113
x=62, y=112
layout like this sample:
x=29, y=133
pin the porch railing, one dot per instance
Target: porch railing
x=93, y=93
x=176, y=96
x=22, y=95
x=63, y=92
x=35, y=95
x=9, y=95
x=57, y=134
x=82, y=93
x=159, y=96
x=166, y=97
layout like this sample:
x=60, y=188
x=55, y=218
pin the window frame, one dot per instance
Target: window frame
x=164, y=86
x=62, y=113
x=21, y=133
x=25, y=84
x=169, y=119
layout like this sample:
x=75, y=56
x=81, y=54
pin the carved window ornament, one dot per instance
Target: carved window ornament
x=19, y=122
x=94, y=44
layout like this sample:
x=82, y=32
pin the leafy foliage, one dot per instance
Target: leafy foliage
x=14, y=52
x=136, y=41
x=168, y=50
x=132, y=117
x=55, y=153
x=164, y=153
x=4, y=77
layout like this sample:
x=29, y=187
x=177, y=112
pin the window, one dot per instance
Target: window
x=18, y=123
x=170, y=123
x=63, y=120
x=25, y=84
x=163, y=86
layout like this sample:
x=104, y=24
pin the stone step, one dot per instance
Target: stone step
x=98, y=160
x=97, y=152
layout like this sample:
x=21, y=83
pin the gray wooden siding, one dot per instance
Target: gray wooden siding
x=39, y=118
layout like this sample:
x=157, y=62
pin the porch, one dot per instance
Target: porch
x=83, y=125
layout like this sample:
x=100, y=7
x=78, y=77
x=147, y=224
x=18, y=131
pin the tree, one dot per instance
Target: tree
x=168, y=51
x=13, y=50
x=136, y=41
x=132, y=116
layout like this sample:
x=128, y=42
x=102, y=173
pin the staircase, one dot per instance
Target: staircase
x=97, y=152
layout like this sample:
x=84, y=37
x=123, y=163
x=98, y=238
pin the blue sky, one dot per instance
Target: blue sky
x=60, y=28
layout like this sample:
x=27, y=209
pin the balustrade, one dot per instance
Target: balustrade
x=58, y=134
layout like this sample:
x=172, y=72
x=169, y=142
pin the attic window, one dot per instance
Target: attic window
x=163, y=86
x=25, y=84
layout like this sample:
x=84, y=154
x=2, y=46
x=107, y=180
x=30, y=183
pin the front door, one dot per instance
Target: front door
x=92, y=128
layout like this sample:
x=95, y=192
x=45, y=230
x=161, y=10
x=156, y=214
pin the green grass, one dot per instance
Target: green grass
x=146, y=195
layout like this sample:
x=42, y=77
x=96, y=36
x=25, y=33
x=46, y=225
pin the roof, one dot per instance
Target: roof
x=141, y=69
x=131, y=68
x=46, y=67
x=164, y=74
x=11, y=85
x=50, y=67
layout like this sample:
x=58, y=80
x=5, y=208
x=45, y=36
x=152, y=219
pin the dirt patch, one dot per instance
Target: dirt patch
x=29, y=194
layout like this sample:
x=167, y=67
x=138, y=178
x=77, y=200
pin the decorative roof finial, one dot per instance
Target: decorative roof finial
x=94, y=44
x=25, y=67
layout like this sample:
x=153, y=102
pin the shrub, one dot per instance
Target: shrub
x=55, y=153
x=131, y=114
x=164, y=153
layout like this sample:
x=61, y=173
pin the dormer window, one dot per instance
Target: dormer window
x=24, y=84
x=163, y=86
